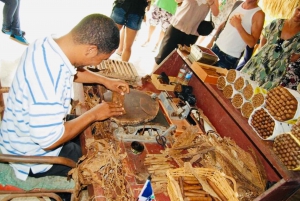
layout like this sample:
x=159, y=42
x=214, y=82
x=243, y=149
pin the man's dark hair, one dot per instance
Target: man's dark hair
x=99, y=30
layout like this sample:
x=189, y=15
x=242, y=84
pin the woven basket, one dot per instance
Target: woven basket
x=220, y=180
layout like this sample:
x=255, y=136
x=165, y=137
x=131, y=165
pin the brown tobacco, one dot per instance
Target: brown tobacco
x=248, y=91
x=288, y=151
x=239, y=83
x=221, y=82
x=281, y=104
x=263, y=123
x=228, y=91
x=237, y=100
x=231, y=76
x=258, y=100
x=247, y=109
x=296, y=130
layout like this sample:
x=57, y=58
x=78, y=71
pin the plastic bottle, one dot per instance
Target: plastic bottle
x=187, y=78
x=181, y=74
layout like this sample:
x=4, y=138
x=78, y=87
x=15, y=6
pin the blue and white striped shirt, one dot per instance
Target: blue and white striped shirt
x=38, y=101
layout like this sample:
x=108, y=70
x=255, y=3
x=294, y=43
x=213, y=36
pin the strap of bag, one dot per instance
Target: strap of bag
x=235, y=5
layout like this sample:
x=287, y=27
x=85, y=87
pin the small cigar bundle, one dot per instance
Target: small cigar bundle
x=212, y=72
x=247, y=109
x=192, y=190
x=239, y=83
x=221, y=82
x=287, y=149
x=228, y=91
x=296, y=130
x=281, y=104
x=231, y=75
x=263, y=123
x=258, y=100
x=237, y=100
x=248, y=91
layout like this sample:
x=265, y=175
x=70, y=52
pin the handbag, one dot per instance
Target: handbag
x=206, y=27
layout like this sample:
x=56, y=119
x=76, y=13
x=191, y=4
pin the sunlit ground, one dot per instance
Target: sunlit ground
x=40, y=18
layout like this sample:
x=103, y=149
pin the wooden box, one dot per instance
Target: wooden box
x=208, y=73
x=203, y=55
x=160, y=86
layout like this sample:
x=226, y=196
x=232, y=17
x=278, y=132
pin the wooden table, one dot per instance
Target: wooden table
x=134, y=163
x=229, y=122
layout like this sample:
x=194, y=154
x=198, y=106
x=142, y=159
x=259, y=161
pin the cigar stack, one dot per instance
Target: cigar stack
x=287, y=147
x=221, y=82
x=231, y=75
x=191, y=189
x=239, y=83
x=247, y=109
x=281, y=104
x=296, y=130
x=258, y=100
x=228, y=91
x=248, y=91
x=262, y=123
x=237, y=100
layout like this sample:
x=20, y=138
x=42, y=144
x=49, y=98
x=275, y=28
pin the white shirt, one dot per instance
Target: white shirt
x=37, y=103
x=230, y=41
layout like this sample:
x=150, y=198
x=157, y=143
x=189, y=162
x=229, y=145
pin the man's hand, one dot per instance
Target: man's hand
x=105, y=110
x=236, y=20
x=116, y=85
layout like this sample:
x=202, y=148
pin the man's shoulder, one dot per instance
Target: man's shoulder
x=260, y=14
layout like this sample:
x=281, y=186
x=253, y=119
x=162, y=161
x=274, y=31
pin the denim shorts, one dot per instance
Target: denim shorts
x=132, y=21
x=225, y=60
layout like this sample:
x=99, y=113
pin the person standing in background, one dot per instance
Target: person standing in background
x=161, y=12
x=243, y=27
x=128, y=15
x=184, y=24
x=11, y=21
x=280, y=42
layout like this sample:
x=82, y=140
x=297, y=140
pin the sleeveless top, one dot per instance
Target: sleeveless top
x=230, y=41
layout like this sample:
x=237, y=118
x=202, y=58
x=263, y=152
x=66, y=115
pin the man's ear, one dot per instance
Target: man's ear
x=91, y=51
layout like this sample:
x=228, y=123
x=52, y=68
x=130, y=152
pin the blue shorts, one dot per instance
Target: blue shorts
x=132, y=21
x=225, y=60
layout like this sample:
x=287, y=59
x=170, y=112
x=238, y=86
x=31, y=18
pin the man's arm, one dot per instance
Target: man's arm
x=220, y=28
x=86, y=76
x=256, y=28
x=74, y=127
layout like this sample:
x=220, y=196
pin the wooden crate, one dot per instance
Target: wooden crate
x=208, y=73
x=162, y=87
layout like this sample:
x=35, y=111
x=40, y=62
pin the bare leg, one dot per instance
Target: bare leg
x=120, y=48
x=129, y=39
x=161, y=36
x=150, y=32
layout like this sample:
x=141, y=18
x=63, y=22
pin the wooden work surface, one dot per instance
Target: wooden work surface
x=134, y=163
x=229, y=122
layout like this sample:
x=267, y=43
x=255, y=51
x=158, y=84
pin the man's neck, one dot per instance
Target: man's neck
x=249, y=6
